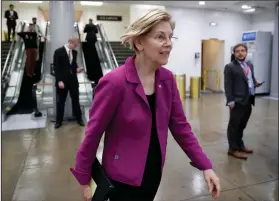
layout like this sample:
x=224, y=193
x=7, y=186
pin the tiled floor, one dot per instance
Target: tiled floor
x=35, y=163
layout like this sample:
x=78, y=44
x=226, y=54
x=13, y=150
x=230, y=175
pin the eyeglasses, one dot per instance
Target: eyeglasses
x=162, y=38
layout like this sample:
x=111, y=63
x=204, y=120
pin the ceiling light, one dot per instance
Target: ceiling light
x=201, y=2
x=91, y=3
x=213, y=24
x=245, y=7
x=251, y=10
x=30, y=1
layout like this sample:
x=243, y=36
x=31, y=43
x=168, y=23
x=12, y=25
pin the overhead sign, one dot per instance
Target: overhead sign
x=109, y=18
x=249, y=36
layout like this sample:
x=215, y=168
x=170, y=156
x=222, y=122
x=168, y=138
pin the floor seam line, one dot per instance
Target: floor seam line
x=24, y=162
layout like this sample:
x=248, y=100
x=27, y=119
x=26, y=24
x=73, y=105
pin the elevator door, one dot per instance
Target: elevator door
x=213, y=64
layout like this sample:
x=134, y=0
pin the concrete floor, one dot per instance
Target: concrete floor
x=35, y=163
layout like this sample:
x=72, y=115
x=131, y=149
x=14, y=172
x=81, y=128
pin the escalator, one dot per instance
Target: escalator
x=91, y=59
x=11, y=56
x=22, y=101
x=97, y=61
x=7, y=48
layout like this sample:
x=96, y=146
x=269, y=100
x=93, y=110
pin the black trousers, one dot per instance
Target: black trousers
x=239, y=117
x=11, y=28
x=61, y=99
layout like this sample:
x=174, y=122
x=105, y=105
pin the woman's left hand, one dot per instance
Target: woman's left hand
x=212, y=182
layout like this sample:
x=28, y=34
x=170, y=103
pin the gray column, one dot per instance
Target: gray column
x=61, y=29
x=274, y=67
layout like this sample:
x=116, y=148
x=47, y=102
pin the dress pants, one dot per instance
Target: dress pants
x=31, y=58
x=61, y=99
x=11, y=28
x=239, y=117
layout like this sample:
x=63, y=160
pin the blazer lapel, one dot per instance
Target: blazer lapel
x=132, y=77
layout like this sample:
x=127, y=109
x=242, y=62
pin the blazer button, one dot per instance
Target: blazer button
x=160, y=86
x=116, y=157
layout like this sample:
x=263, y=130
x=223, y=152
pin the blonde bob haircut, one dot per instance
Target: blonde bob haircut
x=144, y=24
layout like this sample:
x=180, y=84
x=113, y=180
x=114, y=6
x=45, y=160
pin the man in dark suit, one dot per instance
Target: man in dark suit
x=240, y=84
x=66, y=69
x=91, y=31
x=30, y=40
x=11, y=16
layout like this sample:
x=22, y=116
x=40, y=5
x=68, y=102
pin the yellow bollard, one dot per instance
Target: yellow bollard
x=195, y=87
x=181, y=85
x=204, y=79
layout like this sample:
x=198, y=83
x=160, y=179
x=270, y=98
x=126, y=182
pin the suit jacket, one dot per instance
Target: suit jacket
x=11, y=22
x=64, y=70
x=91, y=31
x=121, y=110
x=236, y=83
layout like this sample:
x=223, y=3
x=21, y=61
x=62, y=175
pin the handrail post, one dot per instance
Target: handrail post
x=37, y=113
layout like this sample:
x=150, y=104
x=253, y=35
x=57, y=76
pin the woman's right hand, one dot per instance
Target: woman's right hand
x=86, y=192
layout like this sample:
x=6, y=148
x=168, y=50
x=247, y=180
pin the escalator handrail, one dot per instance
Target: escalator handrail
x=11, y=49
x=16, y=58
x=105, y=48
x=44, y=53
x=82, y=54
x=109, y=46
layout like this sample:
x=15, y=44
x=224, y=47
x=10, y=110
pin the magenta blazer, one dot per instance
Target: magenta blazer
x=120, y=109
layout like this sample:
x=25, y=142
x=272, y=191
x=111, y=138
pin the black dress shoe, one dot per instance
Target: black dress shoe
x=80, y=122
x=57, y=125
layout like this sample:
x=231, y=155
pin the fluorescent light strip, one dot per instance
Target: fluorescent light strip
x=30, y=1
x=246, y=7
x=202, y=3
x=251, y=10
x=91, y=3
x=213, y=24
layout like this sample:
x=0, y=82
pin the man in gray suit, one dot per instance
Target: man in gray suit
x=240, y=84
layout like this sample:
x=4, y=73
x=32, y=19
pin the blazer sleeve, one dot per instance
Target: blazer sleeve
x=85, y=29
x=103, y=108
x=21, y=34
x=228, y=82
x=7, y=14
x=182, y=133
x=75, y=61
x=16, y=16
x=95, y=29
x=57, y=68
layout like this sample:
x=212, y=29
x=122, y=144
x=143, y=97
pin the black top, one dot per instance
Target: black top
x=153, y=162
x=29, y=38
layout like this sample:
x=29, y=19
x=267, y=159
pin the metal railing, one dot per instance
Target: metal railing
x=37, y=113
x=105, y=48
x=11, y=50
x=15, y=72
x=109, y=45
x=82, y=54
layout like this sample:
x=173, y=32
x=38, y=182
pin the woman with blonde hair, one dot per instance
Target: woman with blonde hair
x=135, y=105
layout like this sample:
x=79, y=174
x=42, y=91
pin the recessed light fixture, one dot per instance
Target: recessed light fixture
x=246, y=7
x=251, y=10
x=91, y=3
x=30, y=1
x=213, y=24
x=201, y=3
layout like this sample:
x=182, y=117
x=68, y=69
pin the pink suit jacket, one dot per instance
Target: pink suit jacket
x=120, y=109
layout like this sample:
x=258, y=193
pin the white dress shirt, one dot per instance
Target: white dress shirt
x=69, y=53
